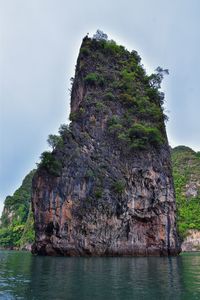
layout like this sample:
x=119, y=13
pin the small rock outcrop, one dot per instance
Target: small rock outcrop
x=191, y=242
x=107, y=187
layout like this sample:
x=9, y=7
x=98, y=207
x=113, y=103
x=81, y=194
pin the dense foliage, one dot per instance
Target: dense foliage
x=50, y=163
x=15, y=214
x=48, y=160
x=186, y=173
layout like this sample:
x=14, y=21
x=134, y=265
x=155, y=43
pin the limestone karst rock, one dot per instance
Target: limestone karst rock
x=107, y=189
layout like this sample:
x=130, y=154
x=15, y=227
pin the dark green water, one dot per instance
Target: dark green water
x=23, y=276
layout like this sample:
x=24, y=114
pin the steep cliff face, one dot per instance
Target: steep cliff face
x=107, y=188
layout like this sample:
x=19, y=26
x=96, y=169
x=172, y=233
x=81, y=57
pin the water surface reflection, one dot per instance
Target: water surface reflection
x=23, y=276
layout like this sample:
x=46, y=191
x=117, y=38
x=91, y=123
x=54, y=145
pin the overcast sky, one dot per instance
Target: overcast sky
x=39, y=44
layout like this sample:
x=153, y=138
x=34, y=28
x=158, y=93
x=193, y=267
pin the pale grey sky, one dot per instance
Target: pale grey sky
x=40, y=40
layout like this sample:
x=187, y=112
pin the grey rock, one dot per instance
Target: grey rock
x=108, y=199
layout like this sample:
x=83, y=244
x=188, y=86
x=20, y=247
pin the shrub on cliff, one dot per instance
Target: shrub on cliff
x=85, y=51
x=137, y=135
x=50, y=163
x=109, y=96
x=118, y=186
x=100, y=35
x=156, y=78
x=142, y=135
x=94, y=79
x=64, y=130
x=111, y=48
x=55, y=141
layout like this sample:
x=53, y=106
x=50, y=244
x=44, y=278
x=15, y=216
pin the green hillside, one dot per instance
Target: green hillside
x=186, y=173
x=16, y=227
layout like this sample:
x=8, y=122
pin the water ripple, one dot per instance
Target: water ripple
x=23, y=276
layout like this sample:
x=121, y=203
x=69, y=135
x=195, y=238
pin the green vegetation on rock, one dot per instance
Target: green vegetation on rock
x=126, y=105
x=119, y=186
x=94, y=79
x=118, y=76
x=50, y=163
x=28, y=234
x=15, y=214
x=186, y=173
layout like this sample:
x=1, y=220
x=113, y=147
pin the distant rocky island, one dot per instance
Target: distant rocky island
x=106, y=188
x=16, y=223
x=186, y=175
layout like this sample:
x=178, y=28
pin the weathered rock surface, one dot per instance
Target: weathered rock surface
x=192, y=241
x=108, y=198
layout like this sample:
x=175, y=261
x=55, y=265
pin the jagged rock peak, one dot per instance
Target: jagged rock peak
x=107, y=188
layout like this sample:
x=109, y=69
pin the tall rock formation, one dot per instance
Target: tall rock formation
x=107, y=188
